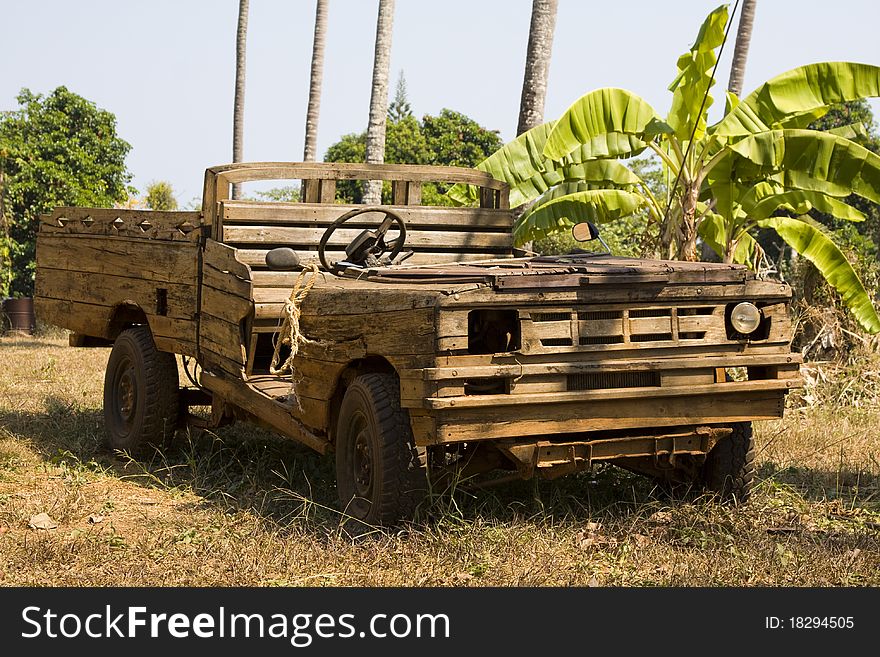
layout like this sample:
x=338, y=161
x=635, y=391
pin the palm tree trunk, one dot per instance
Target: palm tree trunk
x=534, y=90
x=741, y=51
x=375, y=150
x=311, y=144
x=238, y=103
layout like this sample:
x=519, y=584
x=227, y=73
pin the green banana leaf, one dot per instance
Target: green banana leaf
x=805, y=159
x=796, y=92
x=559, y=211
x=799, y=201
x=600, y=112
x=521, y=165
x=731, y=101
x=694, y=78
x=815, y=246
x=852, y=131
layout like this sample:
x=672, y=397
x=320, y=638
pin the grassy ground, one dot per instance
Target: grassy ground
x=241, y=507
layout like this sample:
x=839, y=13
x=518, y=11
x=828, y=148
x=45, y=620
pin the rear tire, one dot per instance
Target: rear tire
x=379, y=473
x=729, y=470
x=140, y=393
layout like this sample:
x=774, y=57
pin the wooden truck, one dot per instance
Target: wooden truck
x=441, y=355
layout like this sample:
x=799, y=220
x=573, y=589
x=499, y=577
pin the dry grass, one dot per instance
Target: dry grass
x=241, y=507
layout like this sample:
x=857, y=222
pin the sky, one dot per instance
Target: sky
x=166, y=68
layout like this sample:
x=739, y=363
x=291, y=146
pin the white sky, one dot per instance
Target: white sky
x=166, y=67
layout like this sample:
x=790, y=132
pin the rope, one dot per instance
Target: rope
x=289, y=332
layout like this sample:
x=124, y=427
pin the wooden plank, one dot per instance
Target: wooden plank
x=266, y=409
x=308, y=191
x=220, y=303
x=110, y=290
x=606, y=414
x=464, y=371
x=172, y=335
x=318, y=378
x=226, y=281
x=251, y=171
x=80, y=317
x=223, y=333
x=213, y=350
x=175, y=346
x=225, y=258
x=691, y=294
x=435, y=239
x=398, y=192
x=496, y=401
x=323, y=215
x=112, y=222
x=424, y=430
x=136, y=258
x=257, y=257
x=327, y=193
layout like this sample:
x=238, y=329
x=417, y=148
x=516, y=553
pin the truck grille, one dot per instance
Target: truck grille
x=605, y=380
x=582, y=328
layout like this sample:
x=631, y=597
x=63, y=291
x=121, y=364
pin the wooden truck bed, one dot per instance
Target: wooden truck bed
x=98, y=268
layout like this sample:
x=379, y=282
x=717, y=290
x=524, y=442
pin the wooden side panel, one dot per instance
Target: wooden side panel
x=83, y=278
x=226, y=309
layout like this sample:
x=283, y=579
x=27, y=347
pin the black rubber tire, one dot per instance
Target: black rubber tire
x=729, y=471
x=140, y=393
x=380, y=476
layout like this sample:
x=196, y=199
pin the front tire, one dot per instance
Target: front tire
x=729, y=471
x=380, y=476
x=140, y=392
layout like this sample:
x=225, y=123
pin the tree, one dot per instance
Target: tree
x=58, y=149
x=399, y=108
x=315, y=82
x=741, y=50
x=160, y=196
x=375, y=146
x=534, y=89
x=449, y=139
x=730, y=179
x=238, y=102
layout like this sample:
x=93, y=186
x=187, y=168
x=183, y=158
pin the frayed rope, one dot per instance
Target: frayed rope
x=289, y=333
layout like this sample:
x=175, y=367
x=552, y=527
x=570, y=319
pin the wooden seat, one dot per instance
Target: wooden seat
x=434, y=234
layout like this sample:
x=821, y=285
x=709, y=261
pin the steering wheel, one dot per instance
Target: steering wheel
x=370, y=244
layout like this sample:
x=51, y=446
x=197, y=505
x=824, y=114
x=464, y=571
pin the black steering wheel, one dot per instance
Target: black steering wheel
x=370, y=244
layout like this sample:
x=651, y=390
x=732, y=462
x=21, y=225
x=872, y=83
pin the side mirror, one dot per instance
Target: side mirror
x=282, y=259
x=585, y=232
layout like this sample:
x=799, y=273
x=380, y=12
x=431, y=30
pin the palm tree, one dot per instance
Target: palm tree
x=534, y=90
x=741, y=51
x=313, y=112
x=375, y=150
x=238, y=103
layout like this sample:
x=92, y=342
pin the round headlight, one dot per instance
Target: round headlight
x=745, y=317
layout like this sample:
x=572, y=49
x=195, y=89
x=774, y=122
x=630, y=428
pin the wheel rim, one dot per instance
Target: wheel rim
x=125, y=395
x=362, y=457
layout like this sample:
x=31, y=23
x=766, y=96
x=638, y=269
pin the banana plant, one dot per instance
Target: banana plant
x=732, y=178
